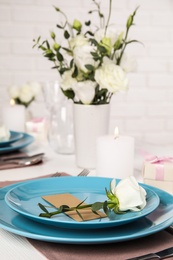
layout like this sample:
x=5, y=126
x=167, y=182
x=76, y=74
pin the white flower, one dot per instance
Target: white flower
x=85, y=49
x=67, y=81
x=130, y=194
x=13, y=91
x=78, y=41
x=85, y=91
x=82, y=57
x=111, y=77
x=111, y=34
x=26, y=94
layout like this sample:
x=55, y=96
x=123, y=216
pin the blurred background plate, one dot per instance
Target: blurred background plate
x=19, y=144
x=14, y=136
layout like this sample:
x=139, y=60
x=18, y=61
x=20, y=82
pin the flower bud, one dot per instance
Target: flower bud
x=52, y=35
x=56, y=46
x=106, y=42
x=118, y=42
x=129, y=21
x=77, y=25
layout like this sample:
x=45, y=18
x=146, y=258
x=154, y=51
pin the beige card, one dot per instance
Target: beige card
x=67, y=199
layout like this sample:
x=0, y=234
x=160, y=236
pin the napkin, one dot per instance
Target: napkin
x=120, y=250
x=13, y=165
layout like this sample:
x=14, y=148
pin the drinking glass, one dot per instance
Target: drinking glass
x=60, y=119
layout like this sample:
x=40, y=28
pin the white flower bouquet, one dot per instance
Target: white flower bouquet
x=92, y=63
x=24, y=94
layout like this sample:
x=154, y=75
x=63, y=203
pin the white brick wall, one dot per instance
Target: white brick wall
x=146, y=111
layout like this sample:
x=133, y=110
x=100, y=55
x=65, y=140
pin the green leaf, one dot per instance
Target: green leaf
x=59, y=56
x=43, y=208
x=102, y=49
x=66, y=34
x=90, y=33
x=97, y=206
x=69, y=93
x=79, y=214
x=89, y=67
x=80, y=203
x=87, y=23
x=66, y=49
x=75, y=73
x=60, y=26
x=48, y=45
x=105, y=208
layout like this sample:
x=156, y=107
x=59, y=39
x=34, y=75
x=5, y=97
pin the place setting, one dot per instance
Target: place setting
x=11, y=153
x=86, y=163
x=20, y=203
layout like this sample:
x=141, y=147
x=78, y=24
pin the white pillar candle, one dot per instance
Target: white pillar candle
x=13, y=117
x=115, y=156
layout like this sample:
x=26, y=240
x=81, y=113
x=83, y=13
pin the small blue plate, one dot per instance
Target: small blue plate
x=14, y=136
x=17, y=145
x=24, y=199
x=158, y=220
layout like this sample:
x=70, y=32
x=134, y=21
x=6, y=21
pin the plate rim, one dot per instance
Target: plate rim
x=28, y=139
x=44, y=237
x=74, y=224
x=14, y=139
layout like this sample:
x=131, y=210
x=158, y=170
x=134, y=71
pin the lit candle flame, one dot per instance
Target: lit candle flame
x=12, y=102
x=116, y=133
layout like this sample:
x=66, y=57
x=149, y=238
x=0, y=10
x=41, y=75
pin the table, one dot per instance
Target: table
x=16, y=247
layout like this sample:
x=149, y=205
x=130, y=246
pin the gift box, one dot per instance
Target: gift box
x=158, y=172
x=37, y=127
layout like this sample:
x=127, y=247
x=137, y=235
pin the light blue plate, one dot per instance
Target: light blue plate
x=14, y=136
x=24, y=199
x=17, y=145
x=160, y=219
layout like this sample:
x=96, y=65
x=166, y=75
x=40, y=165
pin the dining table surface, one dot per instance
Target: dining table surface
x=18, y=247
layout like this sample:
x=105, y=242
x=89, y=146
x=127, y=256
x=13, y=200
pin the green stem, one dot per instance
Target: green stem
x=109, y=16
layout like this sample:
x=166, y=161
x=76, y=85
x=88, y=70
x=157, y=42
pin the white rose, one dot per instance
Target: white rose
x=111, y=77
x=130, y=194
x=78, y=41
x=13, y=91
x=82, y=57
x=67, y=82
x=26, y=94
x=85, y=91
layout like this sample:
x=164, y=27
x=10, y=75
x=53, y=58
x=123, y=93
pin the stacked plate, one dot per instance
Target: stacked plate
x=18, y=140
x=20, y=212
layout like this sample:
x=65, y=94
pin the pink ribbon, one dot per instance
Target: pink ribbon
x=159, y=161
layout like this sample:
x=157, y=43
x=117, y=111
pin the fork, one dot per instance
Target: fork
x=84, y=172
